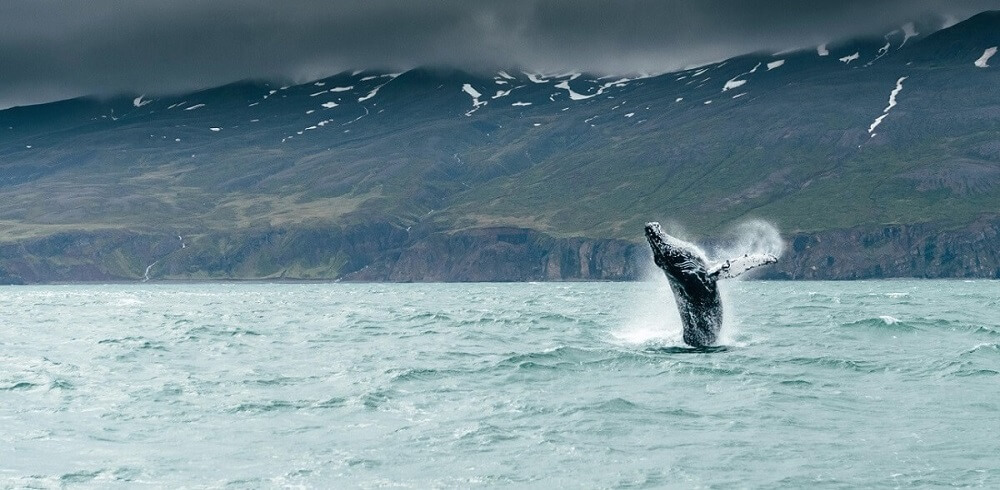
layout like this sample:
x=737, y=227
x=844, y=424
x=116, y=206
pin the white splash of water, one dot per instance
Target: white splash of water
x=652, y=318
x=749, y=237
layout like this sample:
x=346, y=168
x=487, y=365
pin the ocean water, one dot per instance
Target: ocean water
x=575, y=385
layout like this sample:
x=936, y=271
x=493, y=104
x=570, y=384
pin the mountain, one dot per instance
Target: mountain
x=875, y=157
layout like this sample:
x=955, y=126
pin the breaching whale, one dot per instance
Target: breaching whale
x=694, y=282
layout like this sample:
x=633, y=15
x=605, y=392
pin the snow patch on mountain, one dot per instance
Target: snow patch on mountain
x=982, y=61
x=822, y=51
x=392, y=76
x=475, y=94
x=735, y=81
x=884, y=50
x=733, y=84
x=774, y=64
x=328, y=105
x=574, y=95
x=196, y=106
x=341, y=89
x=139, y=102
x=536, y=78
x=850, y=58
x=621, y=82
x=467, y=88
x=892, y=103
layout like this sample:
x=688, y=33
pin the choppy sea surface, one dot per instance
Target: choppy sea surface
x=573, y=385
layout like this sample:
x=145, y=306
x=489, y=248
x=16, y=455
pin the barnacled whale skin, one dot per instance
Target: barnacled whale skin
x=695, y=283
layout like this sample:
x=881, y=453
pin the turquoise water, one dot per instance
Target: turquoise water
x=853, y=384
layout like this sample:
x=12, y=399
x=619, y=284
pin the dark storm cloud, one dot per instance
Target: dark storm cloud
x=58, y=48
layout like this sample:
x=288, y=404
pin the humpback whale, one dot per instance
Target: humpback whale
x=694, y=282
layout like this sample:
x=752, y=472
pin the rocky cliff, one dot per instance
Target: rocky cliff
x=387, y=252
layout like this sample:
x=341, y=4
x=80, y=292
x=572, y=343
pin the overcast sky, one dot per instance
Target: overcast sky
x=54, y=49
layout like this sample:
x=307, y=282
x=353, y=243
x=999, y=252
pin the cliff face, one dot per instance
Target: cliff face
x=504, y=254
x=386, y=252
x=921, y=250
x=370, y=252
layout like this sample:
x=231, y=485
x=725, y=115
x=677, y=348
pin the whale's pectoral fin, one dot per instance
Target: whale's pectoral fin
x=732, y=268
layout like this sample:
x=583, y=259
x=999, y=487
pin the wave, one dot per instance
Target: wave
x=435, y=316
x=983, y=331
x=967, y=373
x=989, y=348
x=486, y=434
x=139, y=343
x=795, y=382
x=19, y=386
x=613, y=406
x=418, y=374
x=275, y=381
x=80, y=476
x=269, y=406
x=572, y=358
x=287, y=405
x=883, y=323
x=836, y=363
x=220, y=331
x=549, y=357
x=684, y=349
x=524, y=318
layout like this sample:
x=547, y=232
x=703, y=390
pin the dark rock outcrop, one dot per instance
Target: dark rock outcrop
x=504, y=254
x=920, y=250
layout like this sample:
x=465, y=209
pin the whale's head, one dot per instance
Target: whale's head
x=672, y=254
x=658, y=242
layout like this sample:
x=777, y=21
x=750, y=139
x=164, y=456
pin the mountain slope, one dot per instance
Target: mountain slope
x=857, y=135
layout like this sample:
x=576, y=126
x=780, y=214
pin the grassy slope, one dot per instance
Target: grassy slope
x=794, y=150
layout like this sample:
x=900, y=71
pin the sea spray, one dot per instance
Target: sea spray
x=749, y=237
x=652, y=315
